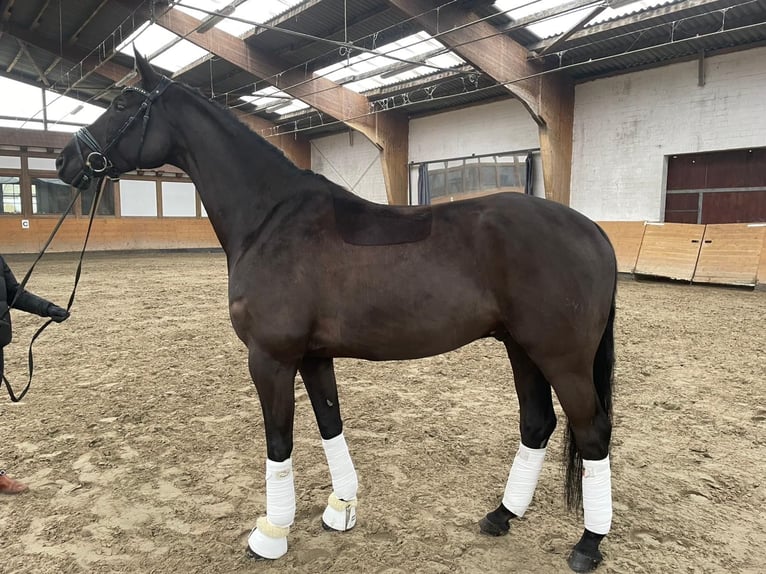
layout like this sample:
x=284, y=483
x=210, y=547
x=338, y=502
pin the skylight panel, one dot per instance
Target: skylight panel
x=147, y=39
x=174, y=53
x=358, y=73
x=271, y=99
x=446, y=60
x=179, y=56
x=252, y=10
x=556, y=25
x=63, y=108
x=26, y=100
x=610, y=13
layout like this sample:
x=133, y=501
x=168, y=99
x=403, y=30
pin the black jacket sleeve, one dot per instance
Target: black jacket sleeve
x=26, y=301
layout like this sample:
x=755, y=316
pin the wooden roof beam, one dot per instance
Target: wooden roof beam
x=482, y=45
x=388, y=130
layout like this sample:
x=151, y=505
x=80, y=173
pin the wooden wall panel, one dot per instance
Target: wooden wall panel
x=730, y=254
x=626, y=237
x=761, y=275
x=670, y=250
x=108, y=234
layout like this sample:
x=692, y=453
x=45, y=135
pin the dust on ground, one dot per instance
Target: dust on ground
x=143, y=445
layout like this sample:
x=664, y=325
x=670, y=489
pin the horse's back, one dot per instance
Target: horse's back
x=532, y=232
x=545, y=264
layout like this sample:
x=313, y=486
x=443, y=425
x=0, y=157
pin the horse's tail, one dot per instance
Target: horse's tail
x=603, y=379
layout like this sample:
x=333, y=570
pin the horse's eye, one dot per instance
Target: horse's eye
x=119, y=105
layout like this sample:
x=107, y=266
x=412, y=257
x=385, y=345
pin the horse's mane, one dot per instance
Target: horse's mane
x=246, y=134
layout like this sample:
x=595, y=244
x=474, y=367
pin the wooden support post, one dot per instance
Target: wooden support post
x=557, y=106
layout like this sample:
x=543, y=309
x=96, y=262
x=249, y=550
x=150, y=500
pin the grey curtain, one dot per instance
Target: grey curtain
x=424, y=187
x=528, y=184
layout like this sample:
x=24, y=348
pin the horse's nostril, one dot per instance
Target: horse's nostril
x=59, y=162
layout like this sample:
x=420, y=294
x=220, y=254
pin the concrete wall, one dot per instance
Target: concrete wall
x=626, y=126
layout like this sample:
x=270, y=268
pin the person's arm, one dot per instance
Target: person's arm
x=28, y=301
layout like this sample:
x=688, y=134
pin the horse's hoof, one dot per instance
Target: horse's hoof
x=253, y=556
x=492, y=529
x=581, y=562
x=335, y=519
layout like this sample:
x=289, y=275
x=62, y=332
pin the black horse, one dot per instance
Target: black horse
x=316, y=273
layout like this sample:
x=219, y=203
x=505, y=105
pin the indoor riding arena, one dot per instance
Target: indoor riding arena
x=142, y=440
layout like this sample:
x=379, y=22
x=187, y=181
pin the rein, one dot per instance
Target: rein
x=30, y=358
x=96, y=163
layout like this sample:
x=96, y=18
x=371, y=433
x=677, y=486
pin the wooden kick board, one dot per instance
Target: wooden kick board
x=670, y=250
x=730, y=254
x=626, y=237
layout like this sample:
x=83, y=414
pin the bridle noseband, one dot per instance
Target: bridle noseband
x=96, y=163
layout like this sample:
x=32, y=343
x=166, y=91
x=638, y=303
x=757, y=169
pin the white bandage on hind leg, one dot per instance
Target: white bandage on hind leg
x=597, y=495
x=340, y=513
x=522, y=480
x=269, y=538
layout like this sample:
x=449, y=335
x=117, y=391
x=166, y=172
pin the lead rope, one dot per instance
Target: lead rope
x=30, y=358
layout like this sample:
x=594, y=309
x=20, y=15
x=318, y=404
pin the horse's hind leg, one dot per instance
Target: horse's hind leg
x=537, y=422
x=319, y=378
x=588, y=471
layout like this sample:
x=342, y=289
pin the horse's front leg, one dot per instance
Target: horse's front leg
x=275, y=381
x=319, y=377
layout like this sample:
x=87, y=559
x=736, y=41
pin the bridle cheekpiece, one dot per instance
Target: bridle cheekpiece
x=96, y=163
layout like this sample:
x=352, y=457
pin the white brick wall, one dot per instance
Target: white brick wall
x=624, y=129
x=483, y=129
x=627, y=125
x=356, y=167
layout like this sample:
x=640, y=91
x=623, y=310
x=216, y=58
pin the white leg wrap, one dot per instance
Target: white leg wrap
x=597, y=495
x=340, y=513
x=269, y=538
x=522, y=480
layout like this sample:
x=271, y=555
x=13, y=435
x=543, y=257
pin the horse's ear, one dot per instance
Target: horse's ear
x=149, y=78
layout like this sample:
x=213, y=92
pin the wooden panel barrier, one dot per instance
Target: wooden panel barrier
x=761, y=275
x=108, y=234
x=730, y=254
x=722, y=253
x=626, y=237
x=670, y=250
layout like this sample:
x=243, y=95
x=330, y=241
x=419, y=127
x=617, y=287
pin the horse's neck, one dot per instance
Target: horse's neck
x=238, y=177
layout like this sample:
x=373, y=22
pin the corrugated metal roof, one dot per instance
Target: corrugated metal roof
x=667, y=32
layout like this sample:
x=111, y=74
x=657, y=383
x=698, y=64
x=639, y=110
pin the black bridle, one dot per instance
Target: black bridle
x=96, y=163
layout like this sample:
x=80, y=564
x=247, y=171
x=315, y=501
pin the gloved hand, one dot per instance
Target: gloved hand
x=57, y=313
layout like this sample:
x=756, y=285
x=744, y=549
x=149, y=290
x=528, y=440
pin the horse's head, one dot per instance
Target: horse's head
x=132, y=133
